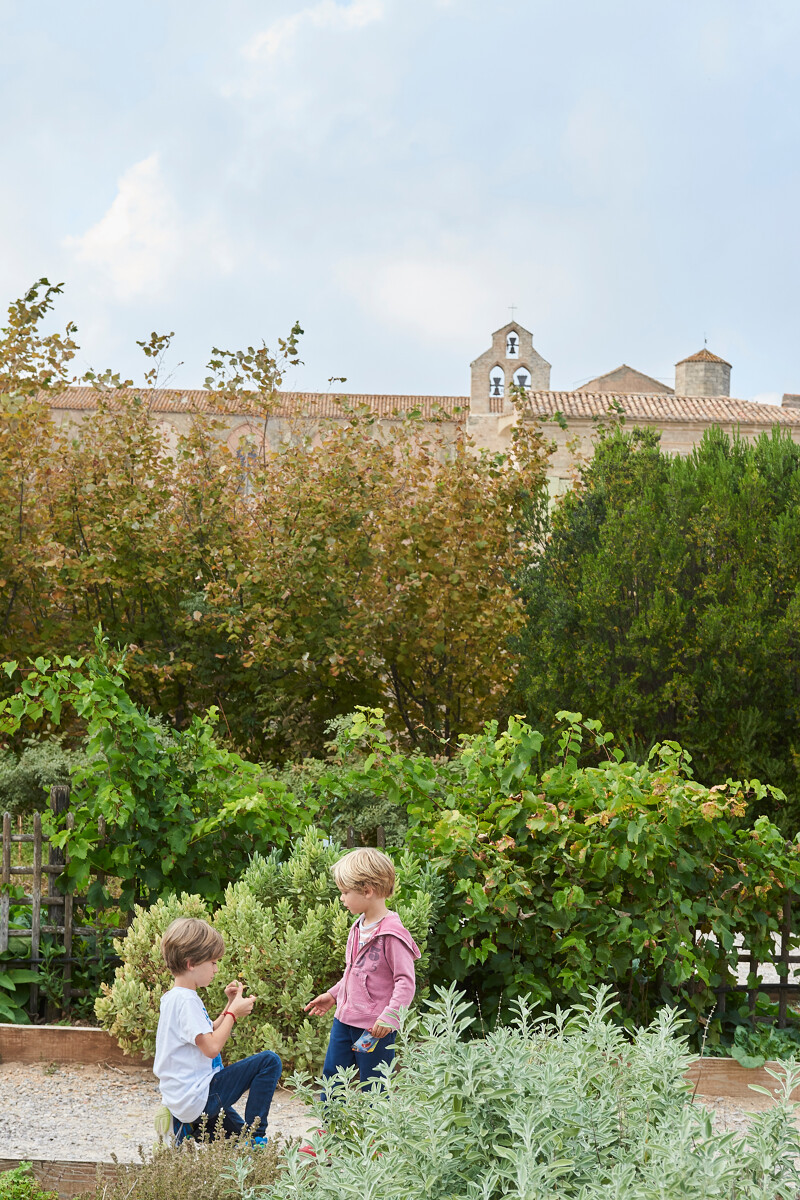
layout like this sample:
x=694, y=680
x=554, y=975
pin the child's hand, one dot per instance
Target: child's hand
x=239, y=1004
x=380, y=1030
x=320, y=1004
x=232, y=989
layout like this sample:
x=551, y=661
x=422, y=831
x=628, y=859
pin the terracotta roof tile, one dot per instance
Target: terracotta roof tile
x=663, y=409
x=319, y=404
x=704, y=355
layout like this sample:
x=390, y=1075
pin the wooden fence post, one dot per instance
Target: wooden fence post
x=57, y=914
x=36, y=909
x=5, y=881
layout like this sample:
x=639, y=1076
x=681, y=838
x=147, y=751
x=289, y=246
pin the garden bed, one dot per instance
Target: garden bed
x=724, y=1077
x=63, y=1044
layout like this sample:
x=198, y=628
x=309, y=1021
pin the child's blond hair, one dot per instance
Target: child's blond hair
x=190, y=940
x=365, y=868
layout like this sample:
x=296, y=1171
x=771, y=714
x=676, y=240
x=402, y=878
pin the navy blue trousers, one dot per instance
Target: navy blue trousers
x=341, y=1053
x=260, y=1073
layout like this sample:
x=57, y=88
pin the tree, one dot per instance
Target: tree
x=666, y=601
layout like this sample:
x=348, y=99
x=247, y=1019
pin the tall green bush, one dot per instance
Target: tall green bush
x=285, y=932
x=166, y=796
x=666, y=601
x=562, y=876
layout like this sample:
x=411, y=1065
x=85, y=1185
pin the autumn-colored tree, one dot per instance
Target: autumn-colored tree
x=358, y=565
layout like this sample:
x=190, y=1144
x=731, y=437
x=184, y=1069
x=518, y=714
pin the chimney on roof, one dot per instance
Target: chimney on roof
x=703, y=374
x=790, y=400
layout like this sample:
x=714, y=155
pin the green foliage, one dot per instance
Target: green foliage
x=567, y=1105
x=15, y=981
x=562, y=876
x=21, y=1184
x=191, y=1172
x=166, y=796
x=26, y=779
x=285, y=933
x=665, y=600
x=754, y=1047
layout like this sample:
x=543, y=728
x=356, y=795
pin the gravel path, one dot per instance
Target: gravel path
x=87, y=1113
x=82, y=1113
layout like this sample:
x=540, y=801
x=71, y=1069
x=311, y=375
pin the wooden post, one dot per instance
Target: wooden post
x=5, y=880
x=68, y=921
x=57, y=912
x=36, y=908
x=380, y=837
x=786, y=933
x=351, y=837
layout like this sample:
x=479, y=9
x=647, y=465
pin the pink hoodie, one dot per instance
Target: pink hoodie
x=380, y=979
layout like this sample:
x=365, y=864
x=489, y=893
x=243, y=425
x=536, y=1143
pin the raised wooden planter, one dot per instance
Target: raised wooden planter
x=64, y=1044
x=67, y=1178
x=725, y=1077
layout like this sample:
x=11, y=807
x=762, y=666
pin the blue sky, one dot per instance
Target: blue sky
x=396, y=173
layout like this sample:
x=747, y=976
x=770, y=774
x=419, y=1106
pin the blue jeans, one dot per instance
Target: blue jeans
x=341, y=1053
x=260, y=1073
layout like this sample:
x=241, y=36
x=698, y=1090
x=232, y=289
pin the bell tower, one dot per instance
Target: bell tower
x=511, y=359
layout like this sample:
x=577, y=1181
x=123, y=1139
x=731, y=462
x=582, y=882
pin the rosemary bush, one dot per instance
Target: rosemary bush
x=567, y=1105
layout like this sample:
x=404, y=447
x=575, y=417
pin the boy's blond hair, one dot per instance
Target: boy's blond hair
x=365, y=868
x=190, y=940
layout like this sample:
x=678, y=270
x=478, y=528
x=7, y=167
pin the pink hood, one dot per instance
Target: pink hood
x=380, y=979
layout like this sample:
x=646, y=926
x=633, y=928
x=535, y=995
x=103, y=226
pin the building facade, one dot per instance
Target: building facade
x=509, y=382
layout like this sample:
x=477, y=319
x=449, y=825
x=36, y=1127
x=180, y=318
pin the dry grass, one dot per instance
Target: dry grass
x=190, y=1172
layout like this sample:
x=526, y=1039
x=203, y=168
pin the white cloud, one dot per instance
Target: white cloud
x=143, y=238
x=433, y=298
x=327, y=14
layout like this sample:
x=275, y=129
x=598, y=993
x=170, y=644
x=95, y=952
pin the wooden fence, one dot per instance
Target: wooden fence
x=61, y=908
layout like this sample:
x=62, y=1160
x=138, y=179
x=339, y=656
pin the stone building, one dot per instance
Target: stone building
x=509, y=382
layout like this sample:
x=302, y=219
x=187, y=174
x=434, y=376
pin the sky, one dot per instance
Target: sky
x=396, y=174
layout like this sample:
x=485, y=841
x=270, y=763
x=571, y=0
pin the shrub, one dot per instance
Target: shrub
x=190, y=1172
x=21, y=1184
x=586, y=868
x=664, y=601
x=285, y=933
x=166, y=796
x=568, y=1105
x=25, y=780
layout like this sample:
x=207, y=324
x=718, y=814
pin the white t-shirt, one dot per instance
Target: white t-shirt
x=183, y=1071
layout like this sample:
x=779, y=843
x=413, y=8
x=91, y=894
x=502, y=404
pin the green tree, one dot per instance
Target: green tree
x=665, y=600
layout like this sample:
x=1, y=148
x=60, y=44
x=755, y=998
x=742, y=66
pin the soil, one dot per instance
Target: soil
x=85, y=1113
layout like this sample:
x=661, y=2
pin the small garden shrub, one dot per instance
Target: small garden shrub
x=26, y=778
x=285, y=932
x=567, y=1105
x=191, y=1172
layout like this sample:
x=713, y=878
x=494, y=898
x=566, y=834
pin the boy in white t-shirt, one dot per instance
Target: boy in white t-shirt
x=188, y=1062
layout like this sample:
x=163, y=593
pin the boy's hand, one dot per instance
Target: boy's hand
x=320, y=1004
x=232, y=989
x=379, y=1029
x=239, y=1004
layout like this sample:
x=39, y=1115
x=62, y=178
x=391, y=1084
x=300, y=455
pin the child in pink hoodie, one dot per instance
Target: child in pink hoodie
x=379, y=967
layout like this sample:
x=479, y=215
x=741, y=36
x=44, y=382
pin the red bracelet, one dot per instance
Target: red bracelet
x=228, y=1013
